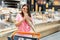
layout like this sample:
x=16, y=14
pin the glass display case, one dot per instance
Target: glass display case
x=8, y=13
x=49, y=16
x=7, y=16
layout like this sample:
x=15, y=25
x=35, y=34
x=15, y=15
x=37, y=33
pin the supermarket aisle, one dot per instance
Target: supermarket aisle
x=55, y=36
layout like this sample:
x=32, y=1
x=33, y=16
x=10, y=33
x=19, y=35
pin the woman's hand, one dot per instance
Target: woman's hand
x=26, y=16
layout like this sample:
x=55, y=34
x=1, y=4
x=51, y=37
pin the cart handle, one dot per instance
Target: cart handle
x=33, y=34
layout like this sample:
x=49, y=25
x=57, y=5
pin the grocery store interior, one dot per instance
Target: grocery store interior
x=45, y=18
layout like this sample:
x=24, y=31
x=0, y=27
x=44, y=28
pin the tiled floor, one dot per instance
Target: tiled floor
x=55, y=36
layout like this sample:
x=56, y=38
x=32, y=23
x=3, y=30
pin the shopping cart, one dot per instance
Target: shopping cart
x=35, y=36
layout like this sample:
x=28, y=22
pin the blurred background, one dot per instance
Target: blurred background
x=45, y=17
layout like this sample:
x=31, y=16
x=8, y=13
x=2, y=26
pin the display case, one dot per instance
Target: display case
x=7, y=17
x=8, y=12
x=49, y=16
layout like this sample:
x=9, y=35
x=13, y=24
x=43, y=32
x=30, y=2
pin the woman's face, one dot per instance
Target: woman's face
x=24, y=9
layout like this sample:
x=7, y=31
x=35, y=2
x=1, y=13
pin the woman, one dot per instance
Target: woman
x=23, y=18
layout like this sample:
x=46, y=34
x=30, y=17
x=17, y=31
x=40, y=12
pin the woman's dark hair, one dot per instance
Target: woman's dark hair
x=28, y=11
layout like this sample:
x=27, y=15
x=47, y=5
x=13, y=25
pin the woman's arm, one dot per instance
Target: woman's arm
x=19, y=22
x=30, y=24
x=29, y=21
